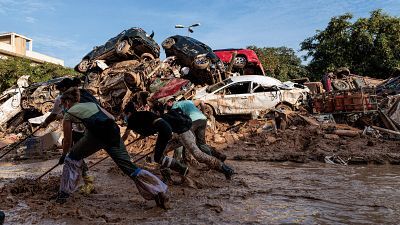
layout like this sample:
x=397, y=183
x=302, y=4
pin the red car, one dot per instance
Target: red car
x=246, y=61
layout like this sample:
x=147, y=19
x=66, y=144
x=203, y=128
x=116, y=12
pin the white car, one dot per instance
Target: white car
x=250, y=95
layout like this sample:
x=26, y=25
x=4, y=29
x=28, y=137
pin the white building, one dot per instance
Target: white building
x=13, y=44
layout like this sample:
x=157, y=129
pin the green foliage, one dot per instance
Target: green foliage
x=280, y=63
x=12, y=68
x=368, y=46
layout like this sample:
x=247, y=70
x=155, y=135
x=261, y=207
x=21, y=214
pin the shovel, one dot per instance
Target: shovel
x=52, y=168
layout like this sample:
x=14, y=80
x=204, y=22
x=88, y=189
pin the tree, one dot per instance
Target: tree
x=280, y=63
x=12, y=68
x=368, y=46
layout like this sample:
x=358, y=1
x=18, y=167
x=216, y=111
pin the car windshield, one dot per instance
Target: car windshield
x=218, y=85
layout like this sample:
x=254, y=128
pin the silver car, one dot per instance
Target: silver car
x=251, y=95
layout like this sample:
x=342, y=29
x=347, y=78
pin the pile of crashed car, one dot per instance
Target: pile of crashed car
x=230, y=82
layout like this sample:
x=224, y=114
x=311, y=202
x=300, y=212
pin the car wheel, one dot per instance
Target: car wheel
x=146, y=57
x=239, y=62
x=208, y=111
x=340, y=85
x=122, y=48
x=47, y=107
x=167, y=43
x=283, y=107
x=201, y=62
x=83, y=66
x=25, y=103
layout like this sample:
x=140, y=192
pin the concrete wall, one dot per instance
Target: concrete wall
x=20, y=45
x=45, y=58
x=19, y=50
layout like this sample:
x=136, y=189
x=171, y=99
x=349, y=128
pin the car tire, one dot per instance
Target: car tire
x=201, y=62
x=208, y=111
x=284, y=107
x=341, y=85
x=122, y=48
x=83, y=66
x=168, y=43
x=46, y=107
x=146, y=57
x=239, y=62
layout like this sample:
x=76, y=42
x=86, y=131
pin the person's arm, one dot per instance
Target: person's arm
x=67, y=142
x=201, y=104
x=107, y=113
x=48, y=120
x=164, y=135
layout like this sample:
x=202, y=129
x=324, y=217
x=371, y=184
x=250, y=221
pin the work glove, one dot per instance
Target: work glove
x=61, y=160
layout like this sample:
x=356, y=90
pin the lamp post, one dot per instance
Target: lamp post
x=190, y=30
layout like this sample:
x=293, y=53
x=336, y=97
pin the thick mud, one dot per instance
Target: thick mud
x=262, y=192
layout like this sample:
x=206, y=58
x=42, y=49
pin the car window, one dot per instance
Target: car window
x=238, y=88
x=259, y=88
x=218, y=85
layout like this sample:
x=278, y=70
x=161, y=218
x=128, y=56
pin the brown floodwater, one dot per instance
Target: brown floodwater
x=261, y=193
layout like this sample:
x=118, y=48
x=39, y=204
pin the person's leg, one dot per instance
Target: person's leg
x=199, y=130
x=72, y=169
x=121, y=158
x=149, y=186
x=188, y=141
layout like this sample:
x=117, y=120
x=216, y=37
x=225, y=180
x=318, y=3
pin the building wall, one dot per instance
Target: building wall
x=20, y=45
x=20, y=50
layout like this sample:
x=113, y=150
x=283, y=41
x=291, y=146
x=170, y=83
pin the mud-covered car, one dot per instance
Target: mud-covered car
x=133, y=43
x=195, y=55
x=251, y=95
x=245, y=62
x=40, y=95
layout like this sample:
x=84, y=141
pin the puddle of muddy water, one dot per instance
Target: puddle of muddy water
x=261, y=193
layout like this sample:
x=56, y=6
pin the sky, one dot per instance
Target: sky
x=70, y=29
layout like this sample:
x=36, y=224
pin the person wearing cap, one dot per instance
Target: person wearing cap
x=62, y=86
x=199, y=123
x=101, y=133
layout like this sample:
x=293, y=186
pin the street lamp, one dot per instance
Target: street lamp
x=190, y=30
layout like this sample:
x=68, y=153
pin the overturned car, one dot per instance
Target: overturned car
x=251, y=95
x=133, y=43
x=204, y=66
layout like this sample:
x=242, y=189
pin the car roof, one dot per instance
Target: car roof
x=263, y=80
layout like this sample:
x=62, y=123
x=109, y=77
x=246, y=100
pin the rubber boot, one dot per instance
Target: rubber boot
x=162, y=200
x=175, y=165
x=62, y=197
x=218, y=155
x=88, y=187
x=166, y=174
x=179, y=167
x=227, y=171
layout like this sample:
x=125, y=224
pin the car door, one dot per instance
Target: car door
x=264, y=97
x=235, y=99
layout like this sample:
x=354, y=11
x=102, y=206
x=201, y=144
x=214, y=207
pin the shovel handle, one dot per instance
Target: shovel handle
x=13, y=147
x=48, y=171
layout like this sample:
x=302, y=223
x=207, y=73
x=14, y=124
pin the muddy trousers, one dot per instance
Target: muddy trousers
x=148, y=184
x=199, y=130
x=188, y=140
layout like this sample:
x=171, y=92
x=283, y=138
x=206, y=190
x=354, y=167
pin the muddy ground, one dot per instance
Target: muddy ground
x=263, y=191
